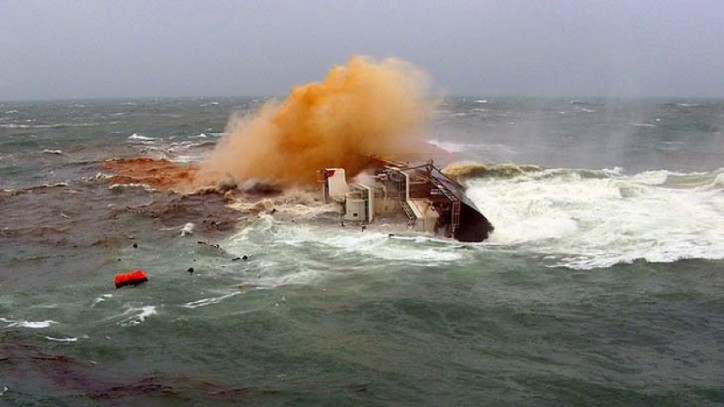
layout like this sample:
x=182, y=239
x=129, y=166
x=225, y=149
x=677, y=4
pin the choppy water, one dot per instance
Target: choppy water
x=602, y=284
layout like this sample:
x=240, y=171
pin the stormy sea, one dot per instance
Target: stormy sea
x=602, y=284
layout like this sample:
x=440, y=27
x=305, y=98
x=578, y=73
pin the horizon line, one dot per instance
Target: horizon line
x=449, y=96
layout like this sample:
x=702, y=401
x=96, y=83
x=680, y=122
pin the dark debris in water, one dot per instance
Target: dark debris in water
x=210, y=211
x=83, y=222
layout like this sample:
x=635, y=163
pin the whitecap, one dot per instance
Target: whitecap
x=187, y=229
x=136, y=136
x=613, y=172
x=134, y=316
x=100, y=299
x=27, y=324
x=641, y=124
x=657, y=177
x=209, y=301
x=718, y=181
x=49, y=151
x=101, y=176
x=65, y=340
x=121, y=187
x=372, y=243
x=186, y=158
x=589, y=222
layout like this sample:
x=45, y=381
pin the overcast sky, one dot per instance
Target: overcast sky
x=78, y=49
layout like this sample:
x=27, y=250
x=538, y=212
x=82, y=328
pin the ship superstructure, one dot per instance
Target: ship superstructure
x=426, y=199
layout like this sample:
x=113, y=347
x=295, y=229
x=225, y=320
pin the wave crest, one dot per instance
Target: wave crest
x=464, y=170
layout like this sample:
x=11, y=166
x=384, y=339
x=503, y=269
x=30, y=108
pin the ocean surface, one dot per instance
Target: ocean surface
x=603, y=283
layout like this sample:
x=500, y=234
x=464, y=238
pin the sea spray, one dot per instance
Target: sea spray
x=361, y=108
x=583, y=221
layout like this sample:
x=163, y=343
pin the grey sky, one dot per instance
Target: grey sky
x=75, y=49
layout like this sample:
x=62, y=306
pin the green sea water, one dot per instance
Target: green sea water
x=602, y=285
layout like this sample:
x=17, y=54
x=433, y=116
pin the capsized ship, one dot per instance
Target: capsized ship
x=427, y=199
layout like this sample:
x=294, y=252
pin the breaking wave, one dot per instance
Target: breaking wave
x=588, y=219
x=465, y=170
x=359, y=250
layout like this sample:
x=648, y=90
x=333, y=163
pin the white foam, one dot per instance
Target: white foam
x=370, y=243
x=120, y=187
x=294, y=240
x=187, y=158
x=209, y=301
x=657, y=177
x=588, y=222
x=139, y=137
x=719, y=180
x=136, y=315
x=65, y=340
x=379, y=245
x=100, y=299
x=27, y=324
x=187, y=229
x=52, y=126
x=48, y=151
x=641, y=124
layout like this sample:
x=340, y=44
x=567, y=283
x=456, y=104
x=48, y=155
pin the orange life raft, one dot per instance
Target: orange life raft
x=134, y=277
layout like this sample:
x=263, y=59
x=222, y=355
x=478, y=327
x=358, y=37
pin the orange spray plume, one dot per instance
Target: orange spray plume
x=362, y=108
